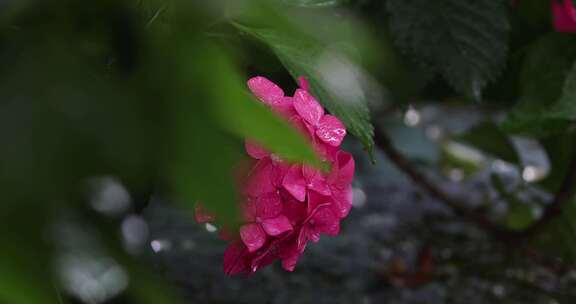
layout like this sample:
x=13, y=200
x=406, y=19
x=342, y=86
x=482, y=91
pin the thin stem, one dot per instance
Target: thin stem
x=457, y=206
x=564, y=195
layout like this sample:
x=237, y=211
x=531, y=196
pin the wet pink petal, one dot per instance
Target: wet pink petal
x=295, y=183
x=331, y=130
x=276, y=226
x=289, y=264
x=254, y=150
x=343, y=200
x=267, y=91
x=326, y=221
x=303, y=83
x=307, y=107
x=252, y=236
x=564, y=16
x=315, y=181
x=261, y=178
x=269, y=205
x=343, y=173
x=235, y=259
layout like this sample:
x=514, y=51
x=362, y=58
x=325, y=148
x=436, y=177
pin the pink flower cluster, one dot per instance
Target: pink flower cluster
x=564, y=14
x=286, y=205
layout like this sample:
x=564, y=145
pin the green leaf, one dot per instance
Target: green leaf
x=489, y=138
x=541, y=109
x=520, y=214
x=464, y=41
x=566, y=105
x=334, y=77
x=559, y=237
x=560, y=149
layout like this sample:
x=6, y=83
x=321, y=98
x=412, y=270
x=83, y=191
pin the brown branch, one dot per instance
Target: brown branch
x=564, y=195
x=457, y=206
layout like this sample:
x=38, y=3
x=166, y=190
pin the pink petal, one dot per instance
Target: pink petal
x=254, y=150
x=202, y=215
x=252, y=236
x=564, y=16
x=315, y=180
x=307, y=107
x=295, y=183
x=284, y=107
x=331, y=130
x=303, y=83
x=276, y=226
x=261, y=178
x=295, y=211
x=343, y=200
x=267, y=91
x=289, y=264
x=325, y=220
x=235, y=259
x=269, y=205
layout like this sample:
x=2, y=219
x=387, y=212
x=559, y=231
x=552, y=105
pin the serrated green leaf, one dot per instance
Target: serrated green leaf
x=542, y=108
x=464, y=41
x=489, y=138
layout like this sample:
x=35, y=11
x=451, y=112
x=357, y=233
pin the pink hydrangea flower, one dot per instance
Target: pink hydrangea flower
x=286, y=205
x=564, y=14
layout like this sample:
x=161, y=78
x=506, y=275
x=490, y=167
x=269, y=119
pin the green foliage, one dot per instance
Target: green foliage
x=464, y=41
x=520, y=214
x=490, y=139
x=544, y=106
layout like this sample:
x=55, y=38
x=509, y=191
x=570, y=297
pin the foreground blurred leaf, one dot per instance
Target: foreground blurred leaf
x=546, y=95
x=489, y=138
x=464, y=41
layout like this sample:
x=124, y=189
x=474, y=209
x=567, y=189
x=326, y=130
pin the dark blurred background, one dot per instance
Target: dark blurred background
x=116, y=117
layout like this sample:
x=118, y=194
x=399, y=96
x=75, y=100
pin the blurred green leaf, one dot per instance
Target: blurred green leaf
x=301, y=56
x=559, y=237
x=465, y=41
x=520, y=214
x=560, y=149
x=566, y=105
x=543, y=83
x=489, y=138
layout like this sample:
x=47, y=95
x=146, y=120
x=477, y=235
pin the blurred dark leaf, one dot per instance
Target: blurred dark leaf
x=466, y=42
x=520, y=214
x=559, y=237
x=566, y=105
x=542, y=86
x=560, y=149
x=489, y=138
